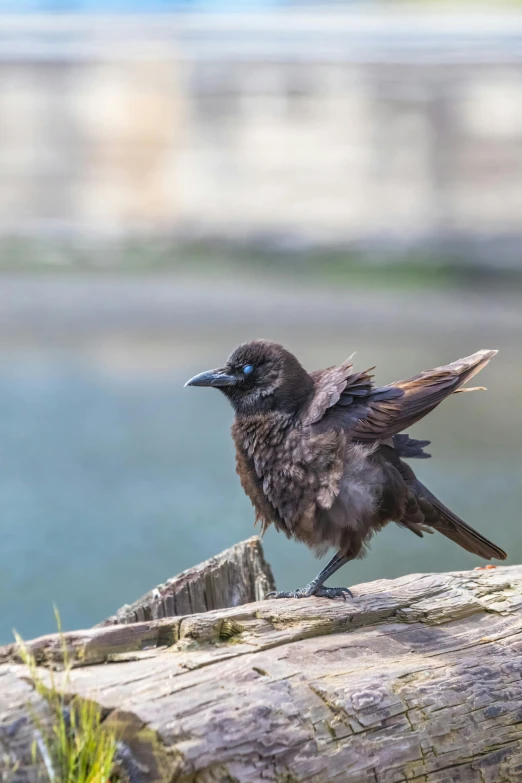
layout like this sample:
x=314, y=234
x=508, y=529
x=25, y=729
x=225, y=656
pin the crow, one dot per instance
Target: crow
x=321, y=454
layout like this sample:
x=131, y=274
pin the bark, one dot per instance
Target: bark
x=417, y=679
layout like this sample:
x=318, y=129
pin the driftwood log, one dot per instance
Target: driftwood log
x=417, y=679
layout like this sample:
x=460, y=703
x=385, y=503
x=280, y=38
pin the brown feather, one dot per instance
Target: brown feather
x=321, y=454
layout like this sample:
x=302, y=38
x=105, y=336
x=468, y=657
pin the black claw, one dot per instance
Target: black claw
x=333, y=592
x=318, y=592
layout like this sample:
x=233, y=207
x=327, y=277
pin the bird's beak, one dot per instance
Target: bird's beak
x=217, y=377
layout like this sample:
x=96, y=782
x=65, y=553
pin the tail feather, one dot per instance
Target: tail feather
x=451, y=526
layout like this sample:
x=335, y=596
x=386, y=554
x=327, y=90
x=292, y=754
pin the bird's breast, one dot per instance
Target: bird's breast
x=289, y=473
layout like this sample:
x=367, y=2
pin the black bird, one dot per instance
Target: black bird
x=321, y=454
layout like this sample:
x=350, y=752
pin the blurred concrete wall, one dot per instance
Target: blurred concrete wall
x=386, y=130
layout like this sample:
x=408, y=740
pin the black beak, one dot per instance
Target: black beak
x=212, y=378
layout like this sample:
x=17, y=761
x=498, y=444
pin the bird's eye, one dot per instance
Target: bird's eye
x=247, y=369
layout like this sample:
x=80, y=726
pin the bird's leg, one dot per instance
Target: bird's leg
x=316, y=586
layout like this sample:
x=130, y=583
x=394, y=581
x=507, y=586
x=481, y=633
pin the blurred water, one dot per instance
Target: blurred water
x=114, y=477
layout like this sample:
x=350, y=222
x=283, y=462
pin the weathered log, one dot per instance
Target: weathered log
x=417, y=679
x=238, y=575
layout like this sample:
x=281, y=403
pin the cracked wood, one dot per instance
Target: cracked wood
x=417, y=679
x=236, y=576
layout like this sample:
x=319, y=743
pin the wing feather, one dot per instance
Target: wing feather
x=372, y=413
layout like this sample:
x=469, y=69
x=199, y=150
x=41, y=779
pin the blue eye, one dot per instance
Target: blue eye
x=247, y=369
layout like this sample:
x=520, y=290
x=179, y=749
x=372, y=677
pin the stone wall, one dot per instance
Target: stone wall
x=385, y=131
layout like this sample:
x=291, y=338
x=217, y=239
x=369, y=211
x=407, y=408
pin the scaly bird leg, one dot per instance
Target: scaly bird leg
x=316, y=586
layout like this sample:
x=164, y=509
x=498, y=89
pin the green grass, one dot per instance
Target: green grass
x=74, y=747
x=155, y=256
x=214, y=261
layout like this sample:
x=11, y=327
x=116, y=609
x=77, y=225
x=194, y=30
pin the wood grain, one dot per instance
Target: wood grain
x=417, y=679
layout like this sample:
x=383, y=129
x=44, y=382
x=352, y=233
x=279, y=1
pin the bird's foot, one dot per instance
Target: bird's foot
x=333, y=592
x=319, y=591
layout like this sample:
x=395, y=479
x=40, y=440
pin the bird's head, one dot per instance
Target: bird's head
x=258, y=377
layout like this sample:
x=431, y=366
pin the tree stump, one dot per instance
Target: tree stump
x=416, y=679
x=238, y=575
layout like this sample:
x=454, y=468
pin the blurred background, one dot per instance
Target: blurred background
x=179, y=177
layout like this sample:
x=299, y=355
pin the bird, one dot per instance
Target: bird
x=322, y=455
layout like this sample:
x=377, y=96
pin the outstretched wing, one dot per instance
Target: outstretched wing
x=371, y=413
x=339, y=387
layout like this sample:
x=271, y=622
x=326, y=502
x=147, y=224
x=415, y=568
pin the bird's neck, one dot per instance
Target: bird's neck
x=261, y=431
